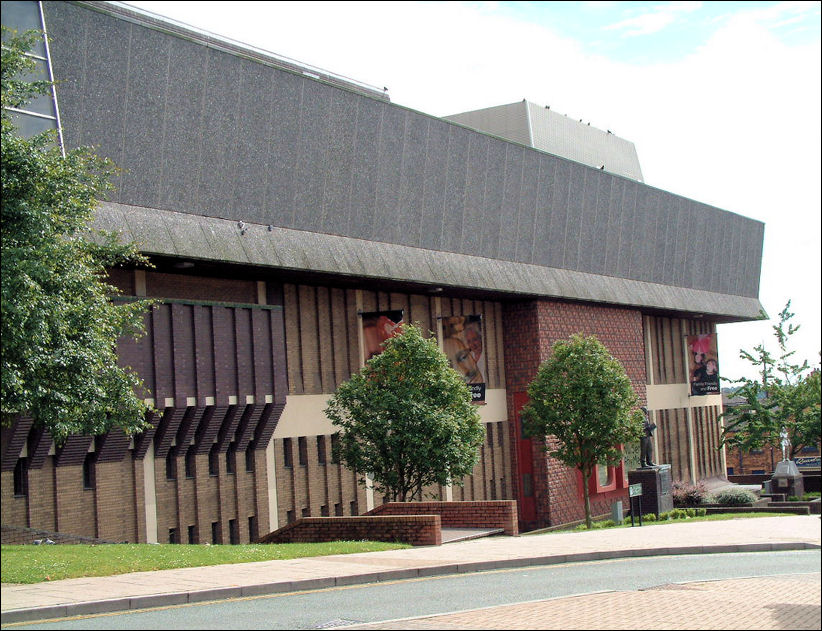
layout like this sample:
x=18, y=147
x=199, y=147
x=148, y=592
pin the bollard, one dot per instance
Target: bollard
x=616, y=512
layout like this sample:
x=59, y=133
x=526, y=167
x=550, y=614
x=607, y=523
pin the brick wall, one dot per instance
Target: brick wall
x=494, y=514
x=418, y=530
x=530, y=330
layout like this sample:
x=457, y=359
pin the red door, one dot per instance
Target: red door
x=525, y=465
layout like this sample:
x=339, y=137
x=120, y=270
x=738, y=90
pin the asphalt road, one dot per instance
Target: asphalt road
x=328, y=608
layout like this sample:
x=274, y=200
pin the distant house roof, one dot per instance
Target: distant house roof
x=541, y=128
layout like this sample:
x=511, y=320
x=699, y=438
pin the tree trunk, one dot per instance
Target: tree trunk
x=586, y=473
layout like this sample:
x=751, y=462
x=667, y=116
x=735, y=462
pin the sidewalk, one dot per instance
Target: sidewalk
x=170, y=587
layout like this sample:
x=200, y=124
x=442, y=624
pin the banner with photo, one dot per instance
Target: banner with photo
x=703, y=364
x=378, y=326
x=462, y=344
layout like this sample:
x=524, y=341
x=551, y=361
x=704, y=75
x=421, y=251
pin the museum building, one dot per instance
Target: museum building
x=283, y=207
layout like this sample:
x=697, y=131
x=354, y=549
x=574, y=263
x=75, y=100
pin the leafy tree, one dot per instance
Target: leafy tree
x=583, y=398
x=785, y=394
x=407, y=419
x=59, y=324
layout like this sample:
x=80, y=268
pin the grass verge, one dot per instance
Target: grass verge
x=35, y=564
x=598, y=525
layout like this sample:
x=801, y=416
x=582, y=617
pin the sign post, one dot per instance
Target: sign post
x=635, y=491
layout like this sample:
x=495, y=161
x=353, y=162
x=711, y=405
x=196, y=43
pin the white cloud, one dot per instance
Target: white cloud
x=657, y=19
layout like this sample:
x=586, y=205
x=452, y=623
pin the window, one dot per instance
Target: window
x=302, y=446
x=321, y=449
x=192, y=534
x=216, y=535
x=287, y=459
x=290, y=517
x=89, y=473
x=190, y=462
x=21, y=477
x=233, y=532
x=249, y=457
x=354, y=510
x=253, y=533
x=171, y=464
x=213, y=461
x=335, y=445
x=172, y=536
x=324, y=510
x=306, y=512
x=338, y=510
x=231, y=459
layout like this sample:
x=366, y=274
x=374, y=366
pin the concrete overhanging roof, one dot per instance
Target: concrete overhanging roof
x=198, y=237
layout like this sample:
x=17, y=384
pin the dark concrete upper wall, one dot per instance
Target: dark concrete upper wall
x=203, y=131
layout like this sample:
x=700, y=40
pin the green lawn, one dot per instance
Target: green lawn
x=627, y=523
x=34, y=564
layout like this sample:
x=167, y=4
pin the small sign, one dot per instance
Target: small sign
x=635, y=490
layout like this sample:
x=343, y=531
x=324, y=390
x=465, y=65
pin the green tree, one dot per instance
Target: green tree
x=583, y=398
x=785, y=394
x=59, y=324
x=407, y=419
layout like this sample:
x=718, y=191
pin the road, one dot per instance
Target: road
x=335, y=607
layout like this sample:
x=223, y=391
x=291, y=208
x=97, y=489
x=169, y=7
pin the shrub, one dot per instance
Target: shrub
x=735, y=496
x=686, y=494
x=649, y=517
x=701, y=512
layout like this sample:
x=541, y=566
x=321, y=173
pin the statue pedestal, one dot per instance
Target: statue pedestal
x=656, y=488
x=787, y=479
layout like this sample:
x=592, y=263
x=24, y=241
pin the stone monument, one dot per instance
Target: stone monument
x=786, y=477
x=655, y=478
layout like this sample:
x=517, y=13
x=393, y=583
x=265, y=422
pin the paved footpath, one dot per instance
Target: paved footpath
x=169, y=587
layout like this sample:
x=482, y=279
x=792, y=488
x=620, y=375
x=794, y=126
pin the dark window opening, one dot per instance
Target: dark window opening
x=192, y=534
x=253, y=533
x=190, y=462
x=335, y=448
x=302, y=446
x=21, y=477
x=233, y=532
x=324, y=510
x=172, y=536
x=287, y=459
x=290, y=518
x=89, y=471
x=231, y=459
x=249, y=458
x=213, y=461
x=321, y=449
x=338, y=510
x=354, y=510
x=306, y=512
x=216, y=535
x=171, y=464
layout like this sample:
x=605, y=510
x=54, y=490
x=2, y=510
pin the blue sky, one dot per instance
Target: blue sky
x=650, y=32
x=721, y=99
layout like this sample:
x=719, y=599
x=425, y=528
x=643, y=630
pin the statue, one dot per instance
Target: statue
x=785, y=442
x=646, y=443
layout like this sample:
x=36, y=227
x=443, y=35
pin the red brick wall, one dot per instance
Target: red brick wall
x=418, y=530
x=492, y=514
x=530, y=330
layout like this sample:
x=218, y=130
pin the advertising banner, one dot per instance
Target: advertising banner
x=462, y=343
x=703, y=364
x=378, y=326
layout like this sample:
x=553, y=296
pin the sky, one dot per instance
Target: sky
x=721, y=99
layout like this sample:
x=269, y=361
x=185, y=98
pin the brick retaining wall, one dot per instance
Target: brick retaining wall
x=418, y=530
x=490, y=514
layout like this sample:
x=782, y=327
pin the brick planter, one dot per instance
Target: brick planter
x=417, y=530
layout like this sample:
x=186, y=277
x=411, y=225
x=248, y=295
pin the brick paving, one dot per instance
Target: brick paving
x=782, y=602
